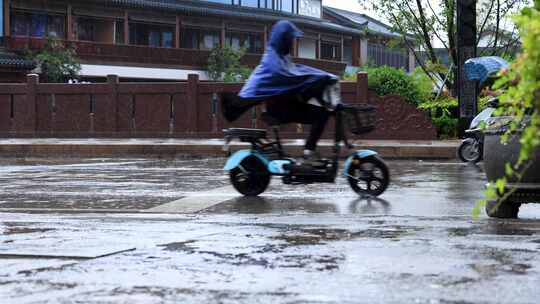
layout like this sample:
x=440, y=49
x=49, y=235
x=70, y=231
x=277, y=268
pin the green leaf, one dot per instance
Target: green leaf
x=501, y=185
x=490, y=192
x=478, y=207
x=509, y=171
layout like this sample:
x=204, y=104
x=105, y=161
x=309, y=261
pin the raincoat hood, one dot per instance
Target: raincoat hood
x=282, y=37
x=277, y=74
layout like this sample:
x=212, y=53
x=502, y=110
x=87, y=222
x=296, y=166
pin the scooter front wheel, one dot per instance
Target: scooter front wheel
x=368, y=176
x=251, y=177
x=469, y=151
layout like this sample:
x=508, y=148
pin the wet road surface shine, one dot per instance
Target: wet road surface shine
x=307, y=244
x=104, y=184
x=302, y=258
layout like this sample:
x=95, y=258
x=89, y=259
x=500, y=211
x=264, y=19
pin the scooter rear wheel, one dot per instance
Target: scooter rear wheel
x=251, y=178
x=368, y=176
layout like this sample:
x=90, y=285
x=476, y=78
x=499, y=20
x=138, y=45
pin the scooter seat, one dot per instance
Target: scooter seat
x=245, y=134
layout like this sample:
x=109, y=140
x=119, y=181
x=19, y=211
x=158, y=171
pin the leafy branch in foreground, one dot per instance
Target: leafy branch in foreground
x=520, y=100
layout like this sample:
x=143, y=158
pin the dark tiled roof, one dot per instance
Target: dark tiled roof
x=203, y=8
x=361, y=20
x=12, y=61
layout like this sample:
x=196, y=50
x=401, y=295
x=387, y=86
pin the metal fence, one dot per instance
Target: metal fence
x=380, y=55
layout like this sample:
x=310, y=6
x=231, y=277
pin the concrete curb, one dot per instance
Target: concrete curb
x=163, y=148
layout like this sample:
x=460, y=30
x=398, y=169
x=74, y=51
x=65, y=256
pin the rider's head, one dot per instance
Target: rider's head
x=283, y=34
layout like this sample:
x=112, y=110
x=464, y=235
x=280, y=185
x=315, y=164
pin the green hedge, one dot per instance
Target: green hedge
x=385, y=80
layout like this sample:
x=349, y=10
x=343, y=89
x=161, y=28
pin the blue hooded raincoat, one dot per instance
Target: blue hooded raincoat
x=277, y=74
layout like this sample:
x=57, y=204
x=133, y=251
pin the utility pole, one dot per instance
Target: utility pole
x=467, y=91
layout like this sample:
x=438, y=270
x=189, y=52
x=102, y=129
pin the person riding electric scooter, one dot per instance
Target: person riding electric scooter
x=299, y=94
x=292, y=93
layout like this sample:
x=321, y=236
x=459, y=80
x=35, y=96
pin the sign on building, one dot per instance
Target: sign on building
x=311, y=8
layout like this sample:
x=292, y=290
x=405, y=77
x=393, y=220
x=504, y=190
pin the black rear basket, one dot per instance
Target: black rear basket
x=359, y=118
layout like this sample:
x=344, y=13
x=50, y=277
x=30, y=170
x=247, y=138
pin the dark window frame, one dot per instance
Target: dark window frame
x=276, y=5
x=336, y=48
x=199, y=35
x=244, y=35
x=151, y=28
x=49, y=17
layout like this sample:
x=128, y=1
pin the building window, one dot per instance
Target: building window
x=85, y=30
x=119, y=32
x=287, y=6
x=348, y=52
x=307, y=48
x=151, y=35
x=250, y=3
x=98, y=30
x=37, y=25
x=221, y=1
x=251, y=42
x=330, y=51
x=199, y=39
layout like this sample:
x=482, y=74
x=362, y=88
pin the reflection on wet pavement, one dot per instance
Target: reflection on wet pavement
x=104, y=183
x=302, y=258
x=307, y=244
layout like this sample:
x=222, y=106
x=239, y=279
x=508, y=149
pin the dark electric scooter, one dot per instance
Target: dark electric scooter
x=471, y=149
x=251, y=170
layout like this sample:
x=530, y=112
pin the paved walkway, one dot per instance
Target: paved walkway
x=54, y=147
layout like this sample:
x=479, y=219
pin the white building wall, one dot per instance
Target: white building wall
x=93, y=70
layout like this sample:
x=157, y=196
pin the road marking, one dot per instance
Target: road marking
x=37, y=255
x=197, y=202
x=66, y=210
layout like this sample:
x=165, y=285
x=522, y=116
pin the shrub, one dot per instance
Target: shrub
x=442, y=112
x=57, y=61
x=390, y=81
x=224, y=65
x=415, y=88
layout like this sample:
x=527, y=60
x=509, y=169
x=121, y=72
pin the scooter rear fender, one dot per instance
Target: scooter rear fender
x=358, y=154
x=239, y=156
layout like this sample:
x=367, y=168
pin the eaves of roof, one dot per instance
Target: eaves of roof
x=344, y=20
x=17, y=64
x=337, y=13
x=220, y=10
x=13, y=61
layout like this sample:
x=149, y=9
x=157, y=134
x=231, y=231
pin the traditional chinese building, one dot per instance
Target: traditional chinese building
x=169, y=39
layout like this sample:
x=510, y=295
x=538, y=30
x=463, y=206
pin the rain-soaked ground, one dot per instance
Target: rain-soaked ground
x=306, y=244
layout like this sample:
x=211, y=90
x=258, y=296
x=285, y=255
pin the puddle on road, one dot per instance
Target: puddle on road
x=320, y=236
x=22, y=230
x=179, y=246
x=517, y=228
x=10, y=228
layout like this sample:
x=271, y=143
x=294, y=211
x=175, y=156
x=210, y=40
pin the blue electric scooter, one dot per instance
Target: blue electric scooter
x=251, y=170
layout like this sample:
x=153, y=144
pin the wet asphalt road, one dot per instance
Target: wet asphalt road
x=303, y=244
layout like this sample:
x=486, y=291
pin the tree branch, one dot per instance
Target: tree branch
x=484, y=23
x=498, y=24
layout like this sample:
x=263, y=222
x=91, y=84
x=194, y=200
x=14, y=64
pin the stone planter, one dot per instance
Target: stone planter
x=496, y=155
